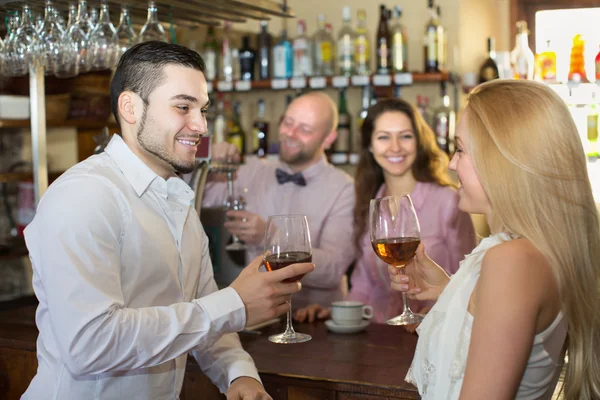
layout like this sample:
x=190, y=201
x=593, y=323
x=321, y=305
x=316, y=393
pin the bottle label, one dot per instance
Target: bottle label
x=398, y=52
x=325, y=51
x=279, y=67
x=238, y=141
x=361, y=54
x=210, y=59
x=592, y=127
x=345, y=55
x=432, y=45
x=598, y=71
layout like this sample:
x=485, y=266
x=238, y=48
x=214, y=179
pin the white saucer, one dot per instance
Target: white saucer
x=333, y=327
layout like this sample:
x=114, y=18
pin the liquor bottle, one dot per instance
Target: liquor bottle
x=444, y=120
x=343, y=143
x=545, y=64
x=521, y=57
x=211, y=45
x=362, y=50
x=383, y=42
x=323, y=49
x=283, y=58
x=236, y=134
x=442, y=43
x=264, y=52
x=365, y=104
x=226, y=55
x=399, y=44
x=424, y=109
x=597, y=60
x=302, y=51
x=345, y=45
x=247, y=60
x=577, y=72
x=220, y=124
x=489, y=68
x=260, y=132
x=431, y=41
x=592, y=129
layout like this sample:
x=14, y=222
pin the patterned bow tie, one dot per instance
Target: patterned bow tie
x=283, y=177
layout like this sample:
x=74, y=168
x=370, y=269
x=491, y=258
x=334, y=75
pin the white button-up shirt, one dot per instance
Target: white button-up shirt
x=125, y=286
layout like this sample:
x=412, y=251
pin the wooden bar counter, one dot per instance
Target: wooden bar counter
x=370, y=365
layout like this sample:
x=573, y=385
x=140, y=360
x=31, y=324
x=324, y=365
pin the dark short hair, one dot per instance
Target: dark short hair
x=140, y=69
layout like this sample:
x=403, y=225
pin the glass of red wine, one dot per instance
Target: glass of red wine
x=395, y=236
x=287, y=241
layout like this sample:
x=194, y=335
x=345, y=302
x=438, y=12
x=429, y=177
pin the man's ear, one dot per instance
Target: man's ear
x=329, y=139
x=127, y=101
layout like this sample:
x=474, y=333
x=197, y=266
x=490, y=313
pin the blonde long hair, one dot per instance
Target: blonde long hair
x=532, y=165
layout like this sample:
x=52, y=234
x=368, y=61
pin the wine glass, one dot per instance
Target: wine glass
x=102, y=42
x=152, y=29
x=287, y=241
x=395, y=236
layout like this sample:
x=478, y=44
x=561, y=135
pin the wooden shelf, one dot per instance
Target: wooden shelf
x=76, y=123
x=6, y=177
x=325, y=82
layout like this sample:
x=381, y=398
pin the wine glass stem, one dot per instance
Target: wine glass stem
x=406, y=308
x=289, y=329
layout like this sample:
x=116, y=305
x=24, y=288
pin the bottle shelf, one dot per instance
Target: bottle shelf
x=321, y=82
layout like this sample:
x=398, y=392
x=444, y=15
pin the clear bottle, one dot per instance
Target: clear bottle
x=226, y=72
x=247, y=60
x=444, y=122
x=362, y=49
x=283, y=58
x=345, y=45
x=260, y=132
x=489, y=68
x=125, y=36
x=399, y=43
x=431, y=42
x=210, y=54
x=102, y=40
x=383, y=42
x=442, y=43
x=323, y=49
x=302, y=51
x=521, y=57
x=264, y=52
x=152, y=29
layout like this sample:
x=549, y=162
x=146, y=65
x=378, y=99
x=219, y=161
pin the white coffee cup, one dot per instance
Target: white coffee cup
x=350, y=312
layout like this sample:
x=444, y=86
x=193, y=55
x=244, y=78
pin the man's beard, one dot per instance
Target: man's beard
x=302, y=157
x=152, y=145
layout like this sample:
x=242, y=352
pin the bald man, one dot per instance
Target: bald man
x=300, y=182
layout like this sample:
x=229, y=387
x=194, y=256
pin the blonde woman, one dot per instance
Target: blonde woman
x=530, y=291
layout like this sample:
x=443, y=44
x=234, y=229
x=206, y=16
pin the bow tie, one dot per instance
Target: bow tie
x=283, y=177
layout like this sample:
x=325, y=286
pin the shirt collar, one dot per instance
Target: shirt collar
x=138, y=174
x=312, y=171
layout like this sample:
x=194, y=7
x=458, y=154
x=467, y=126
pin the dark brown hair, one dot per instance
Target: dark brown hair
x=431, y=163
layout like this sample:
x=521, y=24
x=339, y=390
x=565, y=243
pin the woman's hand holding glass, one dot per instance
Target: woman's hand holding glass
x=422, y=279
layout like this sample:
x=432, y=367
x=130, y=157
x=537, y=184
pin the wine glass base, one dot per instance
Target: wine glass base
x=236, y=246
x=285, y=338
x=405, y=319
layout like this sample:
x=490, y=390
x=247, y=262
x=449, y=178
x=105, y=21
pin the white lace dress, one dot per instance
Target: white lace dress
x=440, y=358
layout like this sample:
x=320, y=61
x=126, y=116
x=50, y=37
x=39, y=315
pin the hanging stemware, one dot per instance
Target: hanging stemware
x=23, y=47
x=152, y=29
x=51, y=36
x=124, y=37
x=102, y=40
